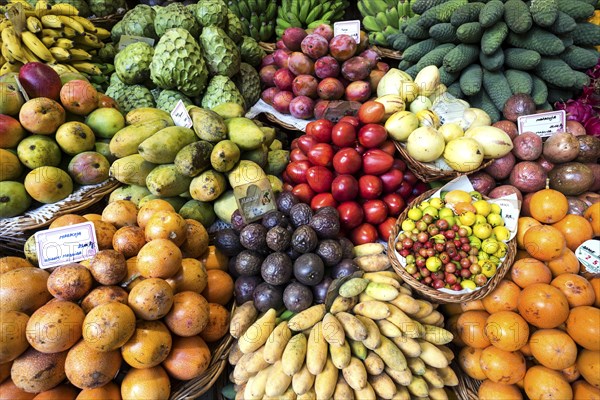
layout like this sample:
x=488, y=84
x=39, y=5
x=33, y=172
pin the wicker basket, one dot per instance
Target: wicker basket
x=388, y=53
x=435, y=295
x=428, y=172
x=268, y=47
x=272, y=118
x=467, y=387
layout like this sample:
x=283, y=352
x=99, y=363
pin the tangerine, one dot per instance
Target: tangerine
x=567, y=263
x=504, y=297
x=576, y=230
x=576, y=288
x=528, y=271
x=544, y=242
x=583, y=325
x=592, y=214
x=507, y=330
x=471, y=329
x=545, y=383
x=548, y=206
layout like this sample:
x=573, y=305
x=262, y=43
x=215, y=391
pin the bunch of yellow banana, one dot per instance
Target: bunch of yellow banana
x=53, y=34
x=374, y=341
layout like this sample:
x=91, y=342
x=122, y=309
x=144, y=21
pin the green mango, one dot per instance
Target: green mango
x=276, y=145
x=259, y=156
x=166, y=181
x=208, y=125
x=245, y=171
x=225, y=206
x=131, y=170
x=229, y=110
x=15, y=200
x=277, y=160
x=194, y=158
x=200, y=211
x=276, y=184
x=270, y=134
x=245, y=133
x=224, y=156
x=163, y=146
x=134, y=193
x=126, y=141
x=10, y=166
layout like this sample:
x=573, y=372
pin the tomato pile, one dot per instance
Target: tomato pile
x=352, y=165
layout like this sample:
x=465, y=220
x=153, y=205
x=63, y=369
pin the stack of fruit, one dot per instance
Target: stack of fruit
x=257, y=17
x=145, y=298
x=42, y=156
x=456, y=241
x=371, y=340
x=488, y=51
x=308, y=14
x=384, y=18
x=223, y=150
x=352, y=166
x=538, y=331
x=309, y=70
x=56, y=35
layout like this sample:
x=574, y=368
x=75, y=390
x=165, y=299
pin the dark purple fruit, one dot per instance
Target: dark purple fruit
x=267, y=296
x=346, y=267
x=320, y=290
x=297, y=297
x=244, y=288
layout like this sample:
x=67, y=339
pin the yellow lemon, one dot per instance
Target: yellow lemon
x=482, y=207
x=468, y=284
x=501, y=232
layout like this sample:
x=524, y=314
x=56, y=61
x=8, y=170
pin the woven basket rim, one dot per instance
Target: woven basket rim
x=268, y=47
x=468, y=387
x=429, y=173
x=433, y=294
x=272, y=118
x=388, y=53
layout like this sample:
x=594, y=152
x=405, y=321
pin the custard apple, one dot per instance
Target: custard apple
x=102, y=8
x=133, y=62
x=251, y=52
x=136, y=96
x=140, y=22
x=175, y=15
x=168, y=99
x=248, y=83
x=178, y=64
x=116, y=32
x=235, y=30
x=221, y=90
x=108, y=52
x=219, y=51
x=212, y=12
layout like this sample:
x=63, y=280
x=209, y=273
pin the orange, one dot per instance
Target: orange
x=571, y=373
x=567, y=263
x=583, y=325
x=218, y=323
x=543, y=305
x=527, y=271
x=471, y=329
x=468, y=359
x=504, y=297
x=576, y=230
x=579, y=291
x=592, y=214
x=472, y=305
x=150, y=208
x=523, y=224
x=213, y=258
x=219, y=287
x=544, y=383
x=588, y=363
x=507, y=330
x=501, y=366
x=548, y=206
x=553, y=348
x=67, y=219
x=544, y=242
x=489, y=390
x=166, y=225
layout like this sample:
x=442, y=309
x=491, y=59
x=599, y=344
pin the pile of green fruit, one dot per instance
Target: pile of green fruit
x=384, y=18
x=488, y=51
x=199, y=165
x=308, y=14
x=201, y=57
x=257, y=17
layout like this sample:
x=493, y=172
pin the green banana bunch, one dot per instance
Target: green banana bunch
x=308, y=13
x=257, y=17
x=384, y=18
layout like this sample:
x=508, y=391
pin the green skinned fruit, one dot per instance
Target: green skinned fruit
x=245, y=133
x=276, y=145
x=229, y=110
x=200, y=211
x=104, y=149
x=48, y=184
x=126, y=141
x=14, y=199
x=177, y=202
x=166, y=181
x=224, y=156
x=10, y=166
x=133, y=193
x=208, y=186
x=163, y=146
x=39, y=151
x=276, y=184
x=225, y=206
x=208, y=125
x=277, y=161
x=259, y=156
x=194, y=158
x=270, y=134
x=245, y=172
x=131, y=170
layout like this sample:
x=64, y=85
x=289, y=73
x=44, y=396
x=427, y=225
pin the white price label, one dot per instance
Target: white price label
x=589, y=255
x=67, y=244
x=180, y=115
x=350, y=28
x=543, y=124
x=129, y=39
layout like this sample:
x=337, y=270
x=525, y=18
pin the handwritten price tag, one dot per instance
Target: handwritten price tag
x=67, y=244
x=180, y=115
x=351, y=28
x=589, y=255
x=543, y=124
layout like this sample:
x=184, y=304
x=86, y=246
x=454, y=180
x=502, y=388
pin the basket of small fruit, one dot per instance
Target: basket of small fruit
x=454, y=245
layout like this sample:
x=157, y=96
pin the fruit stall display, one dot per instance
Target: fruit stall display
x=152, y=304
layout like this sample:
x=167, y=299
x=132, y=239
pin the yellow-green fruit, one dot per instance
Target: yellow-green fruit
x=425, y=144
x=463, y=154
x=277, y=160
x=229, y=110
x=39, y=151
x=224, y=156
x=401, y=124
x=14, y=199
x=131, y=170
x=166, y=181
x=200, y=211
x=270, y=134
x=126, y=141
x=208, y=124
x=245, y=171
x=208, y=186
x=11, y=98
x=194, y=158
x=276, y=184
x=10, y=166
x=105, y=122
x=48, y=184
x=177, y=202
x=259, y=155
x=133, y=193
x=30, y=246
x=163, y=146
x=225, y=206
x=147, y=114
x=245, y=133
x=75, y=137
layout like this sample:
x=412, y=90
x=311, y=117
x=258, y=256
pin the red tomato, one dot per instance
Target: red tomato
x=343, y=134
x=319, y=178
x=395, y=204
x=320, y=130
x=321, y=154
x=347, y=161
x=297, y=171
x=285, y=177
x=322, y=200
x=371, y=112
x=410, y=177
x=370, y=187
x=297, y=155
x=391, y=180
x=376, y=211
x=305, y=143
x=405, y=190
x=344, y=188
x=287, y=187
x=376, y=162
x=385, y=228
x=294, y=144
x=372, y=135
x=399, y=164
x=303, y=192
x=389, y=147
x=351, y=214
x=364, y=233
x=351, y=120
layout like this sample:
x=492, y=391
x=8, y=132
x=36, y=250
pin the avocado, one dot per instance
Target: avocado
x=285, y=202
x=228, y=241
x=276, y=269
x=267, y=296
x=297, y=297
x=300, y=214
x=231, y=267
x=304, y=239
x=330, y=252
x=309, y=269
x=347, y=247
x=329, y=210
x=278, y=238
x=275, y=218
x=244, y=288
x=254, y=237
x=248, y=263
x=326, y=224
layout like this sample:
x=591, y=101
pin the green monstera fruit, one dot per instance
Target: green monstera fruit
x=212, y=13
x=140, y=22
x=248, y=83
x=102, y=8
x=221, y=90
x=220, y=52
x=168, y=99
x=178, y=64
x=251, y=51
x=176, y=15
x=133, y=62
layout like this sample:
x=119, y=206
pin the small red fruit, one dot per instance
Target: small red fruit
x=297, y=171
x=376, y=162
x=322, y=200
x=370, y=187
x=320, y=130
x=344, y=188
x=364, y=233
x=376, y=211
x=303, y=192
x=321, y=154
x=319, y=178
x=351, y=214
x=371, y=112
x=343, y=134
x=347, y=161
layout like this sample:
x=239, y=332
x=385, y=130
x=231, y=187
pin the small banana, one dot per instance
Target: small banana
x=10, y=67
x=314, y=14
x=69, y=32
x=392, y=17
x=102, y=33
x=51, y=21
x=48, y=41
x=71, y=23
x=86, y=67
x=382, y=20
x=64, y=9
x=53, y=33
x=13, y=45
x=64, y=43
x=90, y=40
x=30, y=56
x=86, y=23
x=80, y=55
x=36, y=46
x=2, y=59
x=6, y=54
x=60, y=54
x=34, y=25
x=42, y=8
x=304, y=10
x=5, y=24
